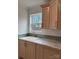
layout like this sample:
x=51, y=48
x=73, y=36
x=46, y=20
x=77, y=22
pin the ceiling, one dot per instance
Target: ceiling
x=30, y=3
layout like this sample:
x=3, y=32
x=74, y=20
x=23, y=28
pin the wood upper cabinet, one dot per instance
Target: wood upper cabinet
x=55, y=14
x=45, y=16
x=21, y=50
x=51, y=15
x=30, y=50
x=59, y=14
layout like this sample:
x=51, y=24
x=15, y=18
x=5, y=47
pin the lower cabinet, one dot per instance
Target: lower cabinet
x=39, y=52
x=29, y=50
x=21, y=51
x=51, y=53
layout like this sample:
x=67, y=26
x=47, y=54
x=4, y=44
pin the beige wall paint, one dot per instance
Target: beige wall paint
x=37, y=9
x=22, y=18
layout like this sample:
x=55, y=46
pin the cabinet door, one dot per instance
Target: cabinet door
x=21, y=48
x=30, y=50
x=50, y=53
x=53, y=15
x=45, y=17
x=39, y=51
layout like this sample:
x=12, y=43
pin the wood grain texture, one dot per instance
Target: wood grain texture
x=30, y=50
x=51, y=53
x=39, y=51
x=52, y=15
x=21, y=49
x=59, y=15
x=45, y=16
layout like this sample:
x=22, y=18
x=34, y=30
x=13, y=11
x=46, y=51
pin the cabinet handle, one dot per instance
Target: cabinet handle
x=25, y=44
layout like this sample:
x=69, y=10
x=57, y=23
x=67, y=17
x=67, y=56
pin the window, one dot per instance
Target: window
x=36, y=21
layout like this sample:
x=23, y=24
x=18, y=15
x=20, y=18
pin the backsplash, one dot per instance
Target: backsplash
x=41, y=36
x=47, y=32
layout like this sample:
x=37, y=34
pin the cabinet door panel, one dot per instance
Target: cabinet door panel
x=21, y=49
x=45, y=17
x=53, y=15
x=30, y=50
x=50, y=53
x=39, y=52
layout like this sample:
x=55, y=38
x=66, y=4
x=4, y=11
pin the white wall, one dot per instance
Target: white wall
x=37, y=9
x=22, y=18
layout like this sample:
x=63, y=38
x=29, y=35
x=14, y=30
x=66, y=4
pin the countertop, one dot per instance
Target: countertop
x=43, y=41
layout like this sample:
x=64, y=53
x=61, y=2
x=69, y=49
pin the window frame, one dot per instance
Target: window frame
x=31, y=19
